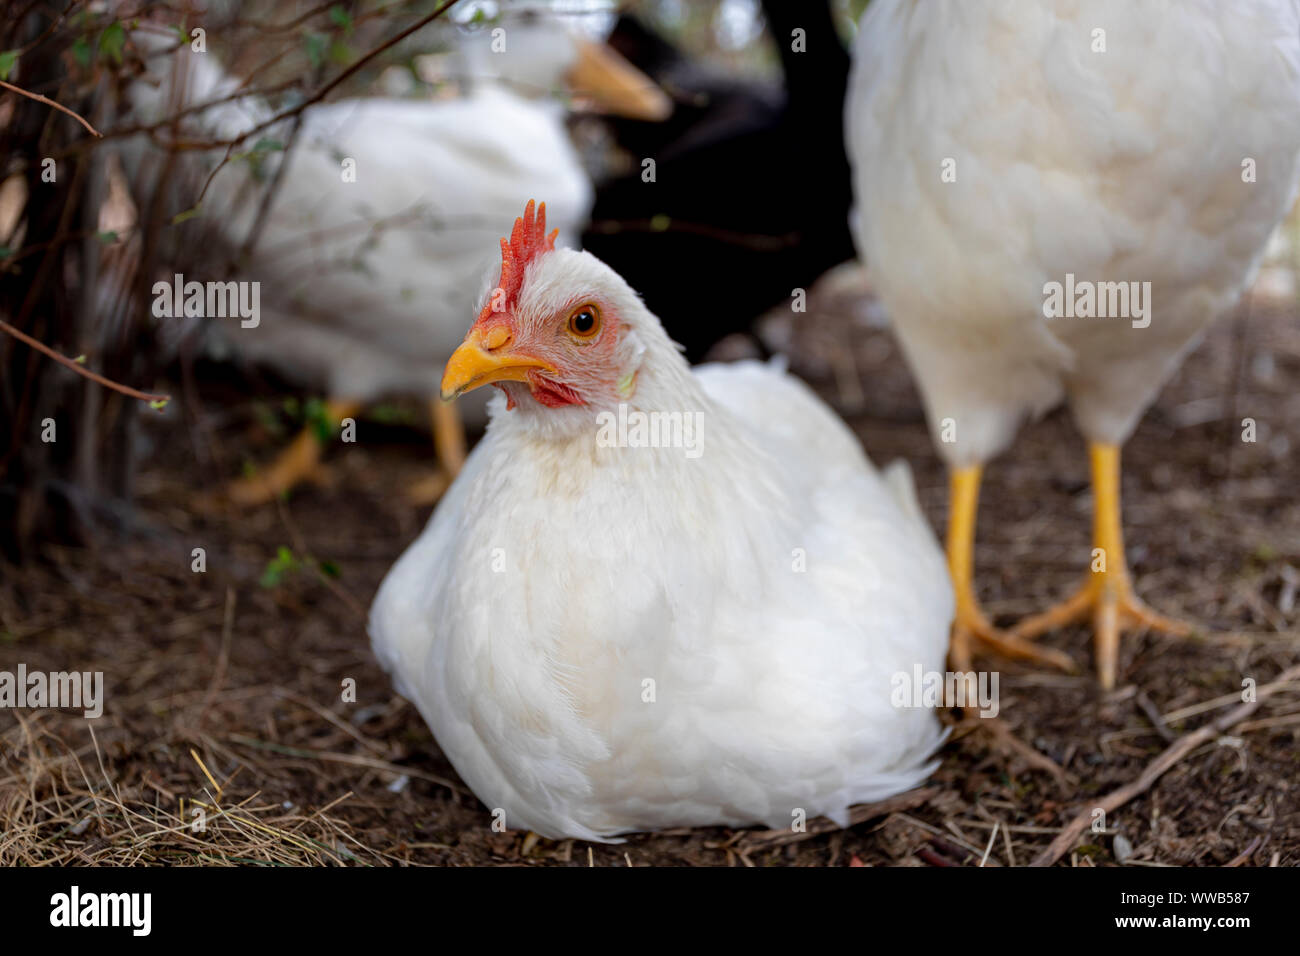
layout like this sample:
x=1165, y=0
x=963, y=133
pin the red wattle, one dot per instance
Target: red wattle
x=553, y=394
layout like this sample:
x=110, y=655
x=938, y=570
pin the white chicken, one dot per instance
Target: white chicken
x=370, y=253
x=1129, y=157
x=611, y=633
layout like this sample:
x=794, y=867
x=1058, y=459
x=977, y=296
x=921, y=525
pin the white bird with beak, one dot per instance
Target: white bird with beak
x=370, y=253
x=607, y=639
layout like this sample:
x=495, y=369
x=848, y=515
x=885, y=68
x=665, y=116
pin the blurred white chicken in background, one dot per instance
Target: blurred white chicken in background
x=606, y=637
x=1001, y=147
x=373, y=248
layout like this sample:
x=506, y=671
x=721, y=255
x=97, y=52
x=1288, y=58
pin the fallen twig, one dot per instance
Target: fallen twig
x=1244, y=856
x=1002, y=734
x=356, y=760
x=1153, y=714
x=1171, y=755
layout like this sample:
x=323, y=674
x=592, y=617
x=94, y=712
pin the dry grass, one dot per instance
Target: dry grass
x=224, y=690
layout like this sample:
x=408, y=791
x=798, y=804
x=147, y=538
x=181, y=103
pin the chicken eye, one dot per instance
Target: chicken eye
x=584, y=321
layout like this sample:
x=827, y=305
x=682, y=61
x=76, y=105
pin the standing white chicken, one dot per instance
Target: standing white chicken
x=1000, y=148
x=608, y=636
x=370, y=252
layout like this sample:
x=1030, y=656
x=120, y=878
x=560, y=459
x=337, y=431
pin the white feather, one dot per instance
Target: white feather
x=368, y=283
x=1122, y=165
x=769, y=588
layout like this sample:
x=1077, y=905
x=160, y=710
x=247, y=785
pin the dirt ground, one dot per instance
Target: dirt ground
x=223, y=688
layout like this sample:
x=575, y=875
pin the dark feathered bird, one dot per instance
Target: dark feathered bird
x=751, y=191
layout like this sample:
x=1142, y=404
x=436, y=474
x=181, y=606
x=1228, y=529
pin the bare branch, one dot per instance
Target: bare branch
x=49, y=102
x=78, y=368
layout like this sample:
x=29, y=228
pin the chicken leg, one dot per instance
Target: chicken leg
x=1108, y=591
x=449, y=444
x=299, y=461
x=971, y=624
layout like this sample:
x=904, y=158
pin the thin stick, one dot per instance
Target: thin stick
x=1242, y=858
x=355, y=760
x=1172, y=755
x=49, y=102
x=1153, y=714
x=989, y=849
x=1001, y=732
x=79, y=369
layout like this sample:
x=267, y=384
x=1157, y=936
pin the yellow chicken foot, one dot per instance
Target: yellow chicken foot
x=449, y=444
x=1108, y=591
x=301, y=460
x=971, y=624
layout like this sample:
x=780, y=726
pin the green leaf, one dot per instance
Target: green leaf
x=106, y=237
x=339, y=53
x=181, y=217
x=391, y=414
x=316, y=44
x=341, y=18
x=7, y=60
x=318, y=420
x=159, y=404
x=266, y=417
x=81, y=51
x=80, y=360
x=112, y=40
x=283, y=563
x=255, y=156
x=5, y=252
x=330, y=569
x=1265, y=553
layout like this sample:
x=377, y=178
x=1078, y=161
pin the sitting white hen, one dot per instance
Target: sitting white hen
x=607, y=638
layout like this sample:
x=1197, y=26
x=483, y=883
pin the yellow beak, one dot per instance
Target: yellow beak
x=484, y=358
x=614, y=85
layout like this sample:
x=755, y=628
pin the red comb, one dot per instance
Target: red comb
x=527, y=241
